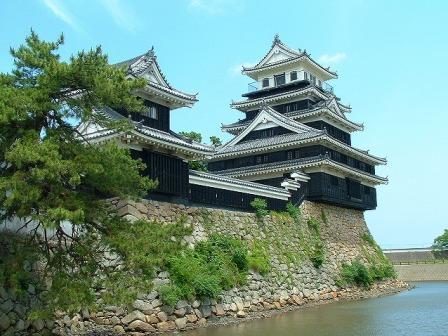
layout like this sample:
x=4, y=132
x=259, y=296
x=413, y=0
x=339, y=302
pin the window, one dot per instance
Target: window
x=265, y=82
x=366, y=190
x=305, y=75
x=293, y=76
x=152, y=112
x=258, y=159
x=289, y=155
x=319, y=82
x=279, y=79
x=313, y=79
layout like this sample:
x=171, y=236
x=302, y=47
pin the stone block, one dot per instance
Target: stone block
x=152, y=319
x=143, y=306
x=141, y=326
x=162, y=316
x=220, y=310
x=4, y=322
x=166, y=326
x=192, y=318
x=181, y=323
x=135, y=315
x=206, y=311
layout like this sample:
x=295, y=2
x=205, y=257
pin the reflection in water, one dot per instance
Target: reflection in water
x=422, y=311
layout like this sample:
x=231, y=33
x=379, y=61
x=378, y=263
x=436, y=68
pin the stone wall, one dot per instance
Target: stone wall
x=292, y=281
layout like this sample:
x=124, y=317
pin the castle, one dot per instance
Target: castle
x=293, y=144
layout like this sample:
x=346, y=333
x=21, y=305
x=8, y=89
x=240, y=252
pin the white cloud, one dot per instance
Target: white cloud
x=236, y=69
x=213, y=7
x=61, y=12
x=122, y=14
x=332, y=59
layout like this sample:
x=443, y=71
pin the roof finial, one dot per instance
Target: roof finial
x=150, y=52
x=276, y=39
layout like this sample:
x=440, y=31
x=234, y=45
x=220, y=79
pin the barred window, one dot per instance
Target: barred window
x=293, y=75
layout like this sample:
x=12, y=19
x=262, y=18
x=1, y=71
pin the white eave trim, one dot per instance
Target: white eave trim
x=243, y=188
x=258, y=101
x=318, y=138
x=374, y=179
x=134, y=136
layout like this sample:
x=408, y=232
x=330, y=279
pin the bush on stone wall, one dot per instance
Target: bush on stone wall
x=217, y=264
x=258, y=258
x=260, y=206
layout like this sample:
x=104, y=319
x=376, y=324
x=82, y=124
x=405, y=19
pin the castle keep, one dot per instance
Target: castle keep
x=293, y=144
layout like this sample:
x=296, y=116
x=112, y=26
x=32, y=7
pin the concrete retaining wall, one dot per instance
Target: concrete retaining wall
x=422, y=272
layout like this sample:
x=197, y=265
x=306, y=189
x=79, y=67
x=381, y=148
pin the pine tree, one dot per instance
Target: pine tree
x=52, y=179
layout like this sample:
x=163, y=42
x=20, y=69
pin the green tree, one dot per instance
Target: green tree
x=192, y=135
x=441, y=242
x=215, y=141
x=200, y=165
x=49, y=176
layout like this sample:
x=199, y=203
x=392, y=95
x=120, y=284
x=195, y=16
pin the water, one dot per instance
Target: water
x=421, y=311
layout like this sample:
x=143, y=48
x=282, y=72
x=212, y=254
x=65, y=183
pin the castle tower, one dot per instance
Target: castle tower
x=295, y=130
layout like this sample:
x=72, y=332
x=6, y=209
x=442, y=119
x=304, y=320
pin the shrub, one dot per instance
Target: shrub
x=258, y=258
x=293, y=211
x=356, y=273
x=318, y=254
x=217, y=264
x=382, y=271
x=323, y=216
x=368, y=239
x=170, y=294
x=314, y=225
x=260, y=206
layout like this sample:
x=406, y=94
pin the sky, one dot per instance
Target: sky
x=391, y=57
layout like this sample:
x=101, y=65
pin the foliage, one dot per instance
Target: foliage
x=16, y=259
x=258, y=259
x=357, y=273
x=368, y=239
x=260, y=206
x=314, y=225
x=192, y=135
x=323, y=216
x=50, y=177
x=199, y=165
x=170, y=294
x=441, y=242
x=217, y=264
x=382, y=271
x=215, y=141
x=318, y=254
x=294, y=212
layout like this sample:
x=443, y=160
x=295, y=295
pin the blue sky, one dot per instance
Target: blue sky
x=391, y=57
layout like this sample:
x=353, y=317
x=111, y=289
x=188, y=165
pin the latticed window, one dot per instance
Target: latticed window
x=265, y=82
x=293, y=75
x=280, y=79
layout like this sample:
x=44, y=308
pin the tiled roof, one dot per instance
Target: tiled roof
x=282, y=139
x=296, y=56
x=257, y=101
x=138, y=65
x=216, y=177
x=170, y=137
x=299, y=164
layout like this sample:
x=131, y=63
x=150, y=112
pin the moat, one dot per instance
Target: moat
x=421, y=311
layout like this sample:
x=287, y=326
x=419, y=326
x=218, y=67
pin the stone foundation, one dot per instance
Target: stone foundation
x=293, y=280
